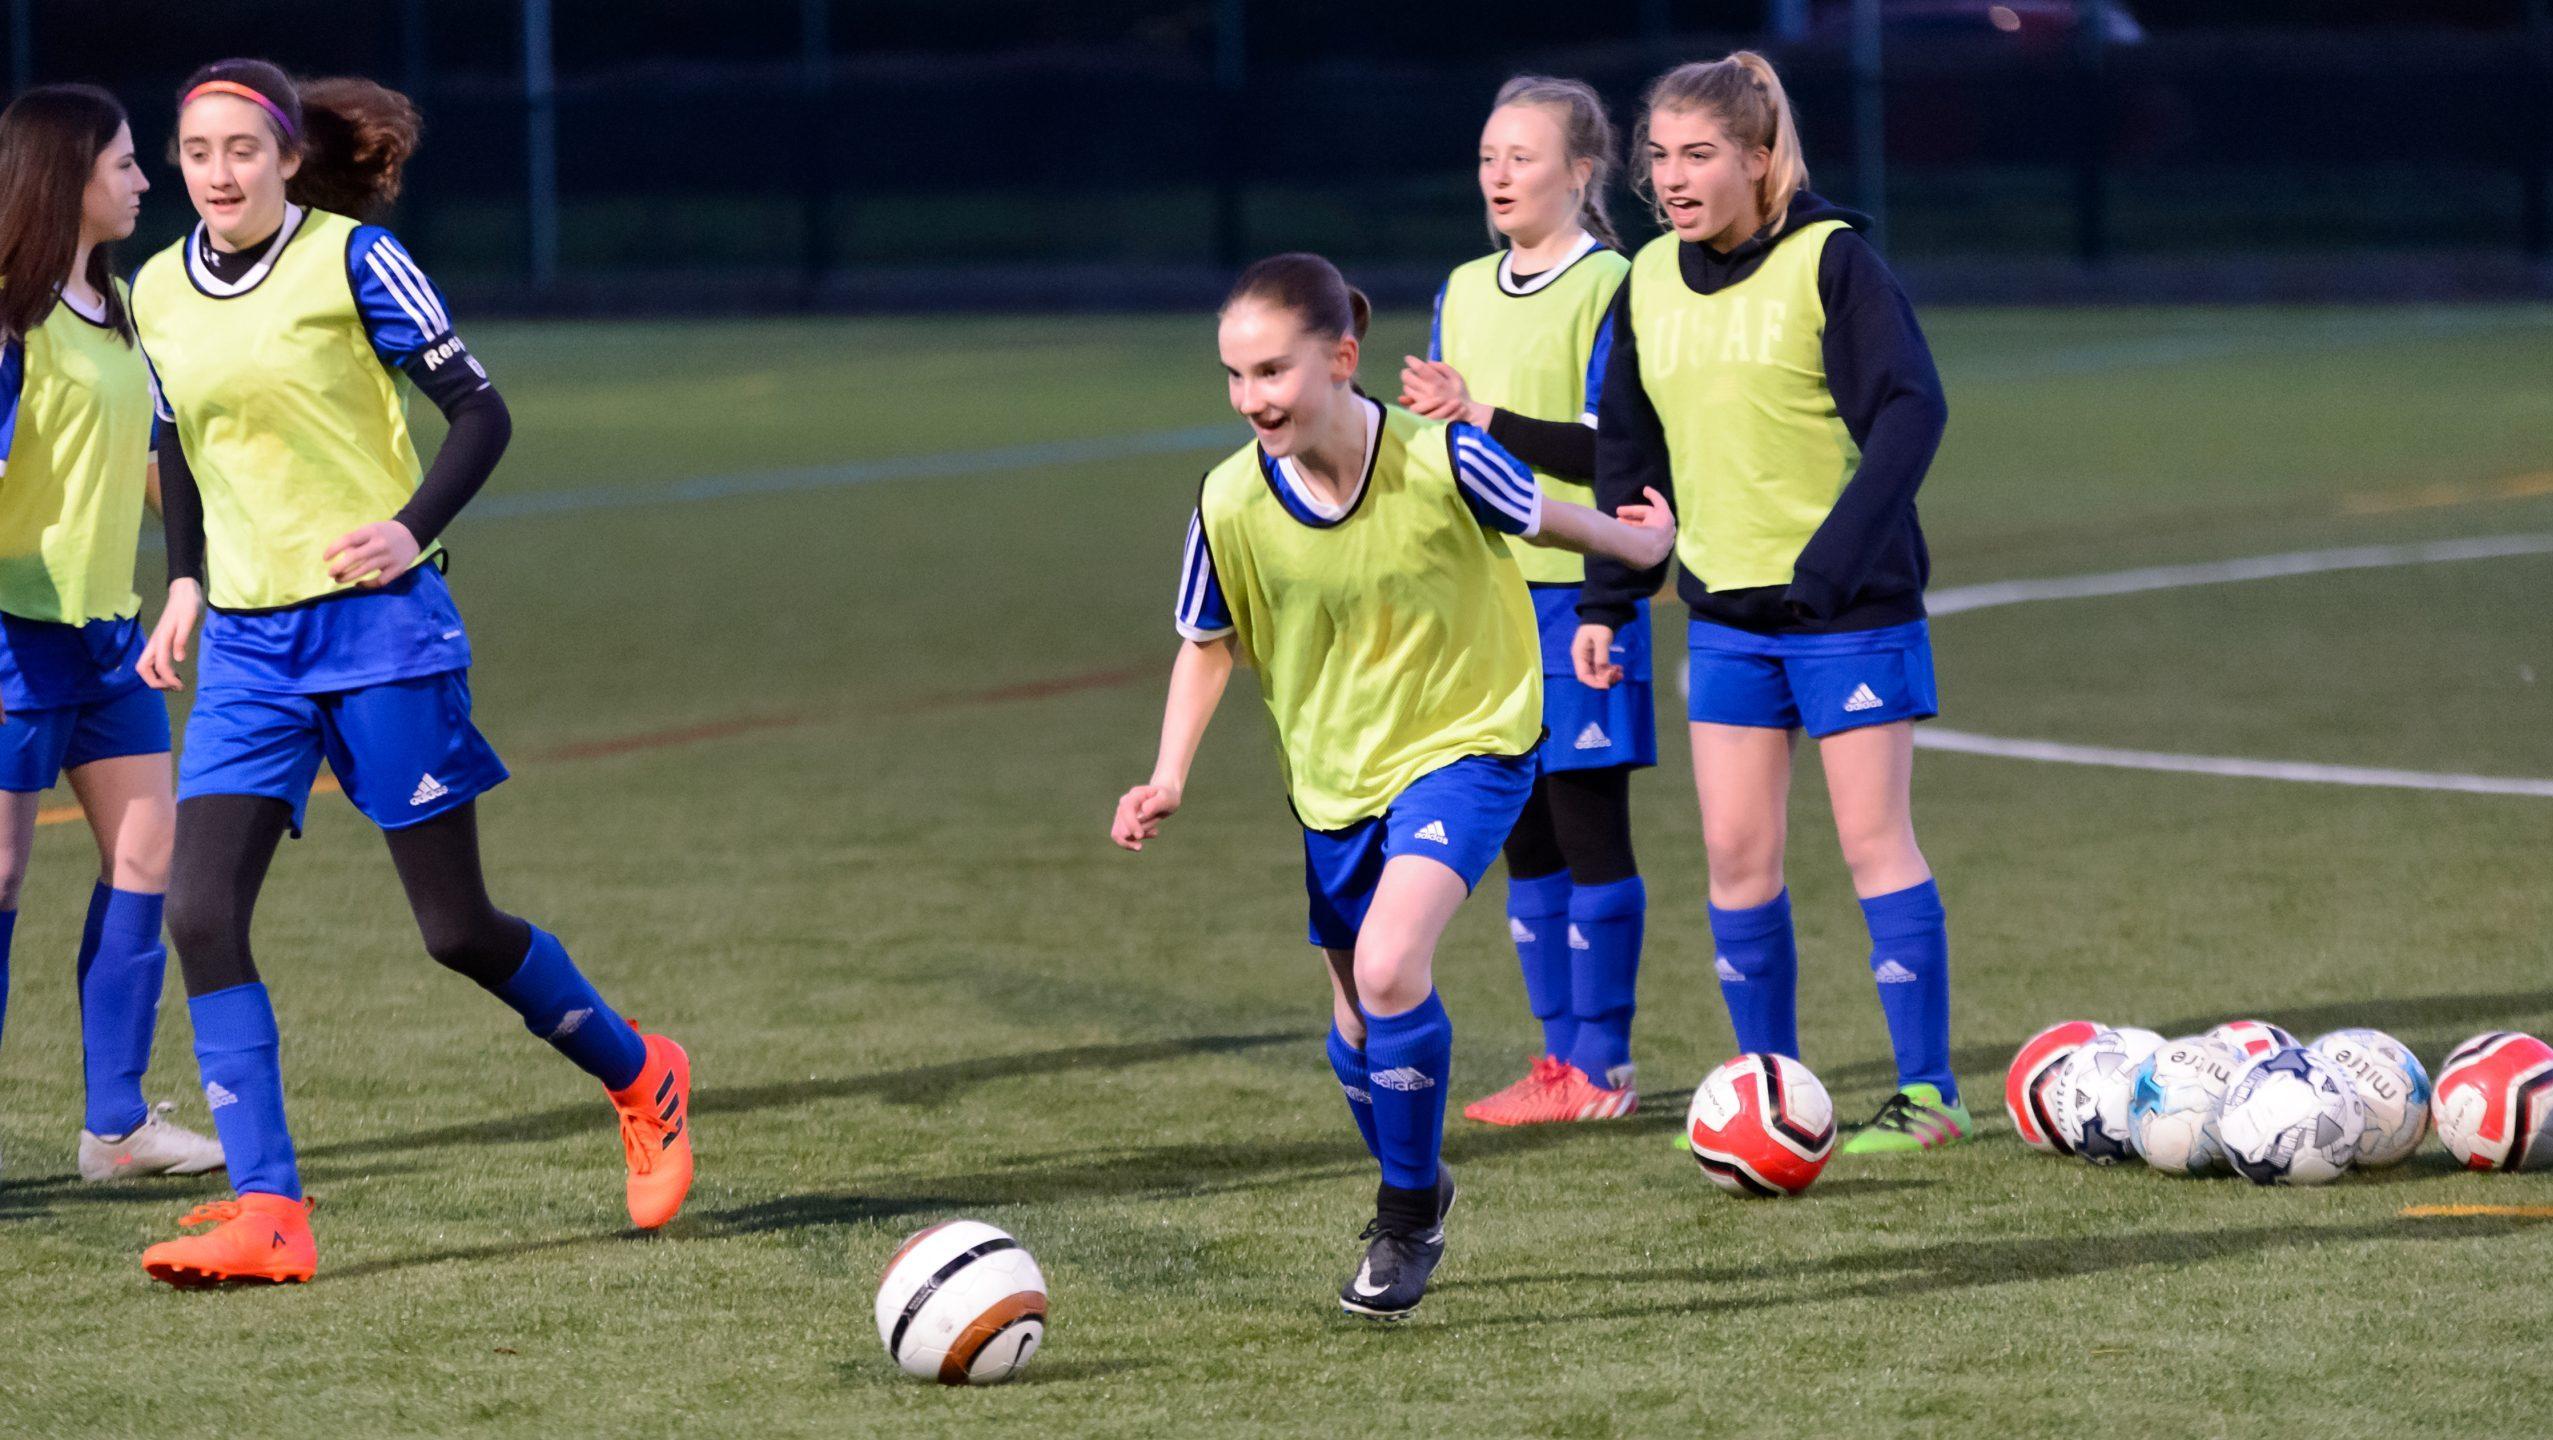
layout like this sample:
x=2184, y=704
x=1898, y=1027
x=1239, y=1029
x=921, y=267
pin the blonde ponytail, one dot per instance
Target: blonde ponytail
x=1744, y=93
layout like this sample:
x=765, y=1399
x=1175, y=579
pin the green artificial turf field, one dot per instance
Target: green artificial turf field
x=814, y=758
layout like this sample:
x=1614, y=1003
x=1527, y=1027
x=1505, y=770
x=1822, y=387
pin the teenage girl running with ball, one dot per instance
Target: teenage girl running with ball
x=1356, y=556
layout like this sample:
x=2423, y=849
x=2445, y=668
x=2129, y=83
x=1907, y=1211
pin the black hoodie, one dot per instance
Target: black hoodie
x=1865, y=567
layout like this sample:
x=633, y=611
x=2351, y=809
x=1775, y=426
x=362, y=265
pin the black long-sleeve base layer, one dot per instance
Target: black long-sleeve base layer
x=1866, y=566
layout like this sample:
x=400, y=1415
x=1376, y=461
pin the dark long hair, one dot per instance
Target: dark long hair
x=50, y=140
x=354, y=136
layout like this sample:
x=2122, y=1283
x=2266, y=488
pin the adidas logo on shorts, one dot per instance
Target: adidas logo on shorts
x=1594, y=738
x=1727, y=972
x=1433, y=830
x=428, y=791
x=1892, y=973
x=1402, y=1077
x=216, y=1095
x=1862, y=698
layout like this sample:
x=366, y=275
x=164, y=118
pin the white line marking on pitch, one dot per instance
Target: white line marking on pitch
x=1965, y=598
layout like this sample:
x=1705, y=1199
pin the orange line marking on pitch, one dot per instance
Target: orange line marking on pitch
x=2433, y=497
x=729, y=729
x=2456, y=1212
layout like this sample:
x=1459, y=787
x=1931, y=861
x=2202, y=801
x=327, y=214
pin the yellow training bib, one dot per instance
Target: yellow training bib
x=1390, y=640
x=1738, y=378
x=296, y=432
x=71, y=497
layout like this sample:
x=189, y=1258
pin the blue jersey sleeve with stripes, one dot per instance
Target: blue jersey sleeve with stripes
x=1499, y=488
x=1200, y=613
x=1436, y=326
x=406, y=318
x=13, y=383
x=1599, y=355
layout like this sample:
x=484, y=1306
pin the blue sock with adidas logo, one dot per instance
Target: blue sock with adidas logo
x=1348, y=1063
x=1759, y=967
x=1910, y=959
x=1537, y=919
x=1605, y=925
x=122, y=964
x=560, y=1005
x=238, y=1051
x=1409, y=1059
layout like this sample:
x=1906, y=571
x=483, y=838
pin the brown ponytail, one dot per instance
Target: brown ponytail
x=1311, y=289
x=354, y=137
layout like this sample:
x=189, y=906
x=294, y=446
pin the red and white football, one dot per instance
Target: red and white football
x=1761, y=1125
x=2034, y=1068
x=2494, y=1106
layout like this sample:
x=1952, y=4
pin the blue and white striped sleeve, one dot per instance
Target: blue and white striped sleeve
x=1201, y=613
x=1436, y=325
x=407, y=319
x=1599, y=355
x=13, y=383
x=1501, y=491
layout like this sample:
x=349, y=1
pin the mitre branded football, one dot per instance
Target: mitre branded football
x=1761, y=1125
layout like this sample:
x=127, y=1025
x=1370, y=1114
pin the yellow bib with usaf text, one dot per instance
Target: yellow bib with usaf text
x=1738, y=378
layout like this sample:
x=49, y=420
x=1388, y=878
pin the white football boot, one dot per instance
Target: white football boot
x=158, y=1147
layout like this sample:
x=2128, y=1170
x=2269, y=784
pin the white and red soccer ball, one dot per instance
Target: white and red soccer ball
x=2494, y=1103
x=1761, y=1125
x=2027, y=1085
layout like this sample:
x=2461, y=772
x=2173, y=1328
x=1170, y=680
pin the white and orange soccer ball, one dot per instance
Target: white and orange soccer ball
x=2494, y=1104
x=962, y=1304
x=2026, y=1084
x=1761, y=1125
x=2251, y=1039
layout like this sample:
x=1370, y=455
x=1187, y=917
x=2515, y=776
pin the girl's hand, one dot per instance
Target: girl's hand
x=1437, y=391
x=1140, y=812
x=167, y=648
x=1591, y=652
x=1656, y=524
x=380, y=553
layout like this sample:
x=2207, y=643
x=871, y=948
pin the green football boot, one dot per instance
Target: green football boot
x=1915, y=1118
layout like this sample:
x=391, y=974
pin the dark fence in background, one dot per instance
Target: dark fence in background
x=2382, y=162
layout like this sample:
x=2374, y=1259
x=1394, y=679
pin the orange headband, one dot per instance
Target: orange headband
x=283, y=122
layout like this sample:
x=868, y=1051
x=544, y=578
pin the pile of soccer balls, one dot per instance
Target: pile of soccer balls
x=2247, y=1098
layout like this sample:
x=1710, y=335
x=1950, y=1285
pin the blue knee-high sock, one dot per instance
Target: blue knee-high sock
x=1910, y=958
x=1537, y=914
x=1348, y=1063
x=1759, y=967
x=561, y=1006
x=122, y=962
x=235, y=1044
x=8, y=930
x=1605, y=924
x=1409, y=1060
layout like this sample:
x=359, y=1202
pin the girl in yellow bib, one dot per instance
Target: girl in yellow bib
x=1521, y=343
x=1769, y=373
x=1356, y=556
x=286, y=333
x=75, y=436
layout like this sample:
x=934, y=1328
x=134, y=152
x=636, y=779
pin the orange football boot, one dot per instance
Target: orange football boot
x=256, y=1239
x=1573, y=1096
x=656, y=1133
x=1521, y=1103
